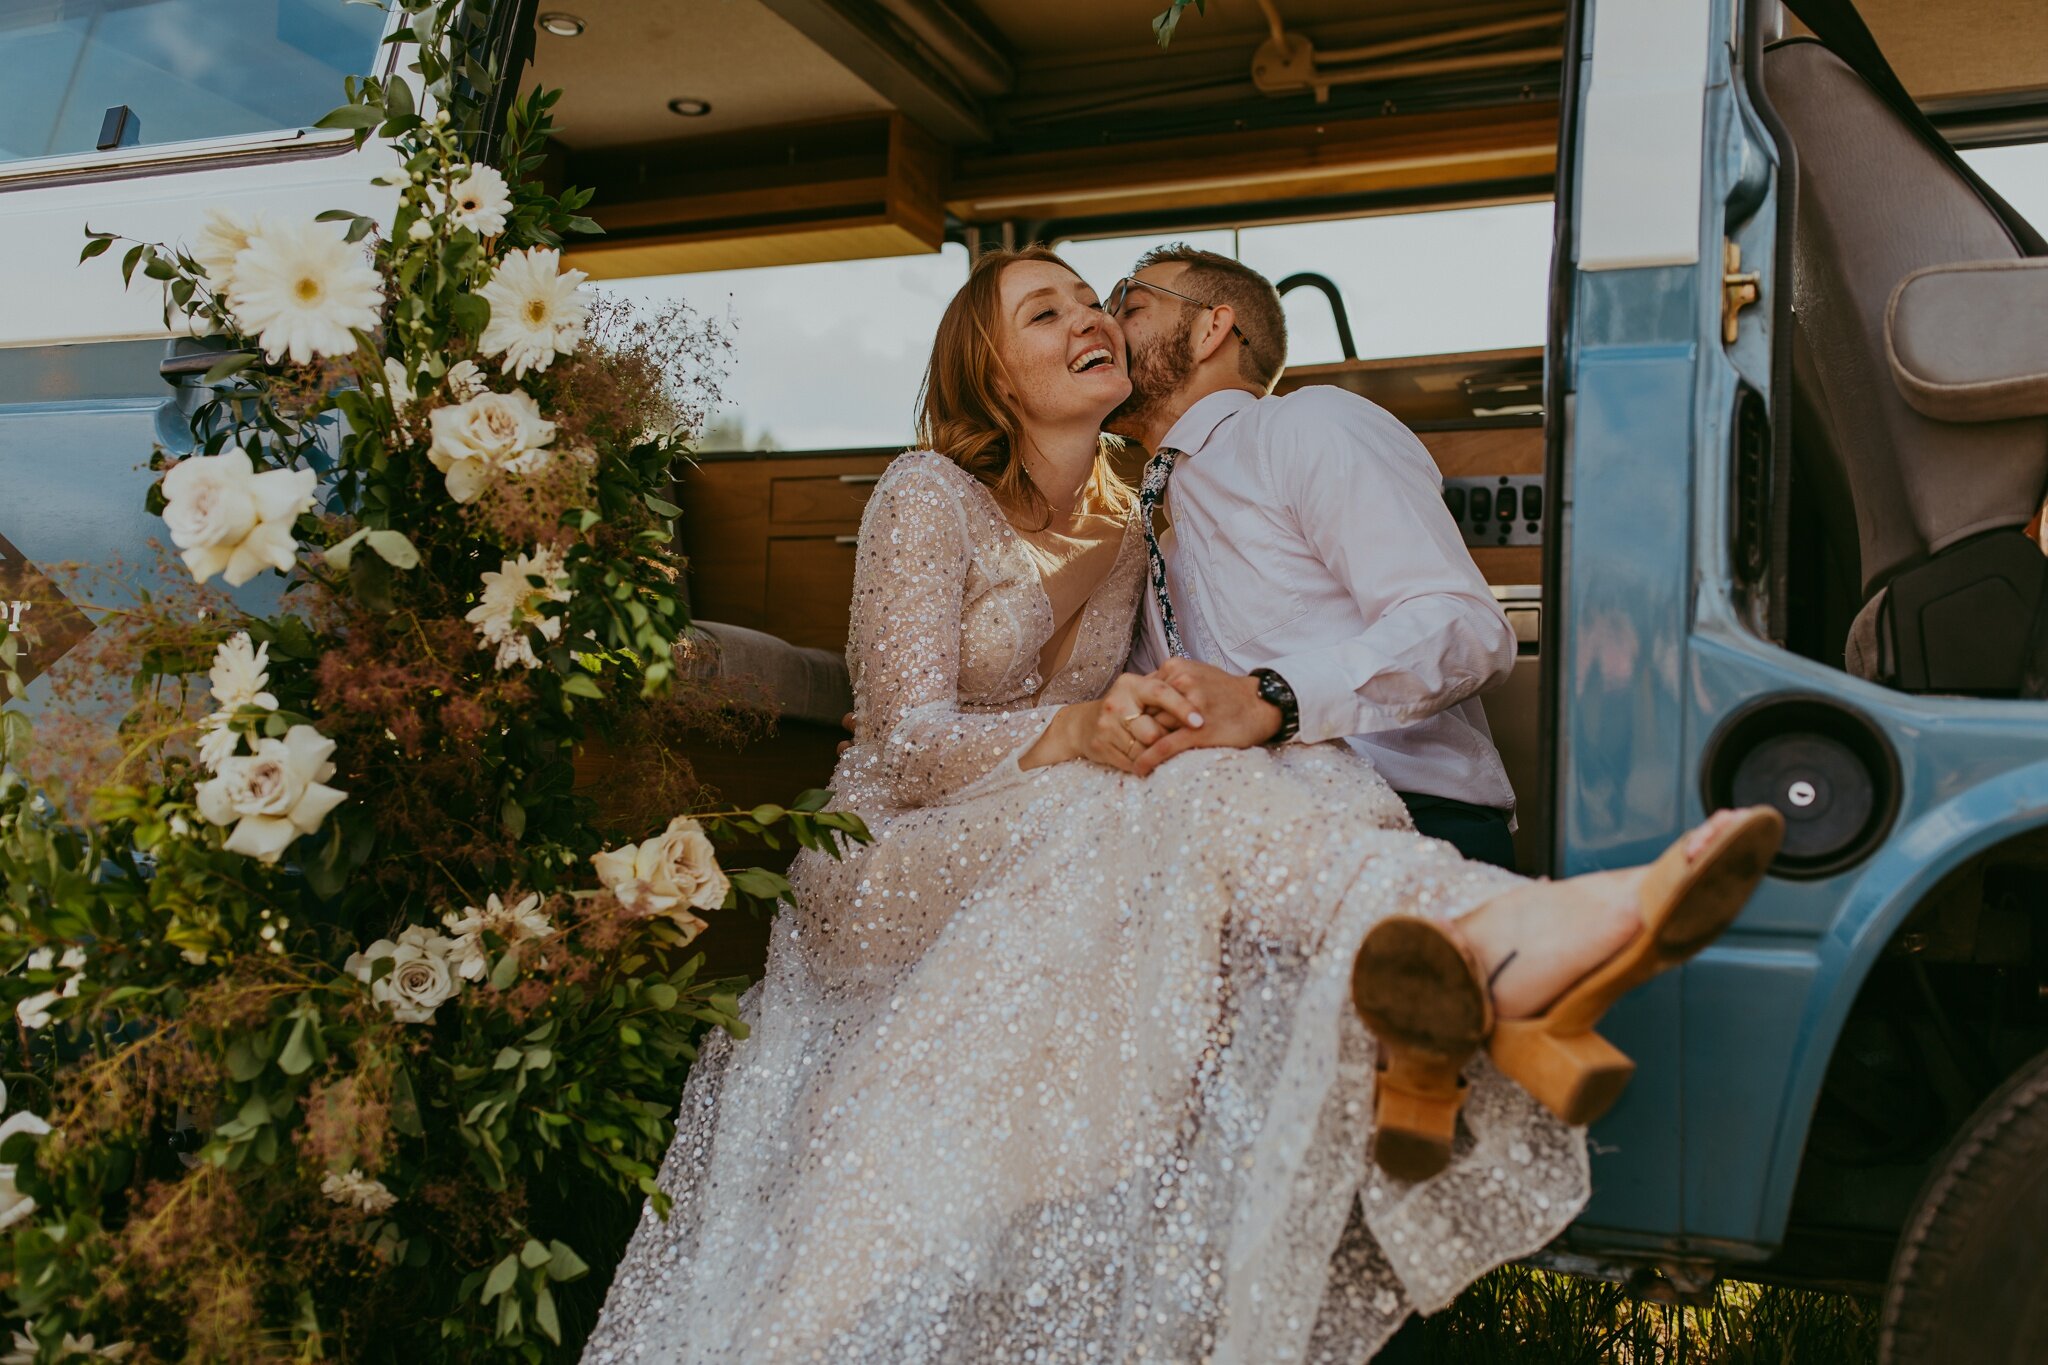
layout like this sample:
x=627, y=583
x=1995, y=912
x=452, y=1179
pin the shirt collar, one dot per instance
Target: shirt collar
x=1200, y=421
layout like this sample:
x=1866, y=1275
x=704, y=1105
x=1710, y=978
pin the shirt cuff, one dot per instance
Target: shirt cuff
x=1328, y=700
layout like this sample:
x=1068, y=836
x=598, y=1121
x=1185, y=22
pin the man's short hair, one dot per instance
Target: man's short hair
x=1218, y=279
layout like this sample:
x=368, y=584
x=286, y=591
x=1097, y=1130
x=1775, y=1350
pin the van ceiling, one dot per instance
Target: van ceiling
x=839, y=128
x=1014, y=74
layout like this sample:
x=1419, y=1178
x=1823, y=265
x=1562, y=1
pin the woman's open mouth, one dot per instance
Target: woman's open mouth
x=1097, y=359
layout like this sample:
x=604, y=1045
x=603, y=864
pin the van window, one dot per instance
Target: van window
x=824, y=357
x=185, y=68
x=1431, y=283
x=2020, y=175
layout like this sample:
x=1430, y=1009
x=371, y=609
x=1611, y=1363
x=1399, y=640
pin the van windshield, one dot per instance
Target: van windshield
x=185, y=69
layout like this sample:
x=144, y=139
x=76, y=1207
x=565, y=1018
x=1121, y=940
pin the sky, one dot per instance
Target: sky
x=829, y=356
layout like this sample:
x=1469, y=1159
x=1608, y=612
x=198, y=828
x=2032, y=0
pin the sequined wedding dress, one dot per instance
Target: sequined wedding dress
x=1062, y=1067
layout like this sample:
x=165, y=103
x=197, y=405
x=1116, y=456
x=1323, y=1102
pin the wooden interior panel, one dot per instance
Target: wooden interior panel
x=1472, y=388
x=727, y=523
x=810, y=589
x=1474, y=453
x=860, y=188
x=819, y=497
x=1334, y=157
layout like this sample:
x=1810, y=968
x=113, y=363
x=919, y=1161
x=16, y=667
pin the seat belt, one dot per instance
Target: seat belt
x=1842, y=30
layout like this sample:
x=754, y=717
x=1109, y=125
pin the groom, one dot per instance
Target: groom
x=1312, y=585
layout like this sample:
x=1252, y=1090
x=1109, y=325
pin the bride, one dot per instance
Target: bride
x=1072, y=1064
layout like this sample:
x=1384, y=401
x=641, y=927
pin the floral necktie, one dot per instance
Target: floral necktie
x=1151, y=493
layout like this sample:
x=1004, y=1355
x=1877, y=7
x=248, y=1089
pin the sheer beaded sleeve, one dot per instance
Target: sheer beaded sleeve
x=917, y=741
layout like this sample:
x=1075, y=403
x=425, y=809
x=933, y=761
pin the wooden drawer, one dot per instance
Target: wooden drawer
x=736, y=510
x=810, y=589
x=795, y=501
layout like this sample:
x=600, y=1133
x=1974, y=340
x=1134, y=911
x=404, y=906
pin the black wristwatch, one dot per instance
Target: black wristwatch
x=1274, y=689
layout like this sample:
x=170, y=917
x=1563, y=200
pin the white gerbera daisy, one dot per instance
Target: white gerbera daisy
x=511, y=602
x=478, y=201
x=537, y=309
x=515, y=924
x=224, y=237
x=465, y=380
x=301, y=288
x=240, y=677
x=365, y=1193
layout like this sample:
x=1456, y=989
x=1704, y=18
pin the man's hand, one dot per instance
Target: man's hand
x=1234, y=715
x=1109, y=734
x=846, y=724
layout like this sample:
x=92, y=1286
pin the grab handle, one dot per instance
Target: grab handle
x=860, y=478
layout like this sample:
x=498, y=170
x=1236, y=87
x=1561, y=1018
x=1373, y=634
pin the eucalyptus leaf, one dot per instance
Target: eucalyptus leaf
x=544, y=1315
x=500, y=1279
x=342, y=551
x=395, y=549
x=564, y=1263
x=297, y=1057
x=351, y=116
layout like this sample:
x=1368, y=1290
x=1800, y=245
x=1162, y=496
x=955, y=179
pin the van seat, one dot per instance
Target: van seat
x=1920, y=514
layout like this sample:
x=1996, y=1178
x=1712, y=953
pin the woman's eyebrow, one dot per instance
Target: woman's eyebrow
x=1041, y=290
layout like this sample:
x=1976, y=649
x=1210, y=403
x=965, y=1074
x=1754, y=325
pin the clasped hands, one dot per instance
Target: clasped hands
x=1145, y=719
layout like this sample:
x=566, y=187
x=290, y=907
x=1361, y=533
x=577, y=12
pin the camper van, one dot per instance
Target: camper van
x=1742, y=408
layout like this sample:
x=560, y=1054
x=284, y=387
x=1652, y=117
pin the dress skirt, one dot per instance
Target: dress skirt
x=1065, y=1070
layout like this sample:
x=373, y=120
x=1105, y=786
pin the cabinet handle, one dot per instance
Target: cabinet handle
x=846, y=540
x=860, y=478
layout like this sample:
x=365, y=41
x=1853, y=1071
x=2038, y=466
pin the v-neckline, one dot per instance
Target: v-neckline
x=1020, y=549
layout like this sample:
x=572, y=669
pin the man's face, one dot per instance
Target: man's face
x=1159, y=337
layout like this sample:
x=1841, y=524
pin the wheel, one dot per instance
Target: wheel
x=1970, y=1279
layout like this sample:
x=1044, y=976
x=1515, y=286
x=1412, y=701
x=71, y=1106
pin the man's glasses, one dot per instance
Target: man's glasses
x=1120, y=293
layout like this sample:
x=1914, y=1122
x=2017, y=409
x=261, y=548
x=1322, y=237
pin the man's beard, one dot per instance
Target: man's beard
x=1157, y=373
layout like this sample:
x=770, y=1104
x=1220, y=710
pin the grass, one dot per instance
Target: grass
x=1534, y=1317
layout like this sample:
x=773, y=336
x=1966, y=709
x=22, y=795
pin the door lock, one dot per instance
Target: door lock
x=1738, y=290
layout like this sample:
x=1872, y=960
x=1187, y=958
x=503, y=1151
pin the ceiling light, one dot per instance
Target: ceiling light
x=560, y=24
x=690, y=108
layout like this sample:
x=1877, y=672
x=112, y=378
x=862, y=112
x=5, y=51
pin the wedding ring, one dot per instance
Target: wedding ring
x=1131, y=717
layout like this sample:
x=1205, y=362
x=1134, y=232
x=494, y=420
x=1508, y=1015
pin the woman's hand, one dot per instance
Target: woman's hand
x=1100, y=731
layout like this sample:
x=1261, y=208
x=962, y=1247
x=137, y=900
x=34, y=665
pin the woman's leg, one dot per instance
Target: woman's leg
x=1535, y=941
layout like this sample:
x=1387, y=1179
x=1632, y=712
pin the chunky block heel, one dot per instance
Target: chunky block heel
x=1425, y=1002
x=1577, y=1077
x=1686, y=902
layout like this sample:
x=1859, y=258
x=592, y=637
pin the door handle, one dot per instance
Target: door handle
x=846, y=540
x=860, y=478
x=175, y=369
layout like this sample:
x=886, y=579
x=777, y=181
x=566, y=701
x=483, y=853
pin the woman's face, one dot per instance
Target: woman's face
x=1063, y=355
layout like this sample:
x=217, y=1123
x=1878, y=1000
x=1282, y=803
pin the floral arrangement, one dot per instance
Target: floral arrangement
x=345, y=1028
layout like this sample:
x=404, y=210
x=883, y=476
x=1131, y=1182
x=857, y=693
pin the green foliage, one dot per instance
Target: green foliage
x=388, y=1077
x=1534, y=1317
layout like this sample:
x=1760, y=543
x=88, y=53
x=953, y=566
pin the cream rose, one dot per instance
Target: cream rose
x=671, y=874
x=490, y=434
x=229, y=520
x=421, y=979
x=273, y=795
